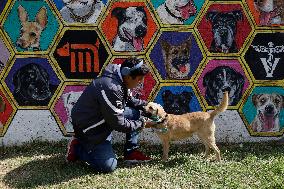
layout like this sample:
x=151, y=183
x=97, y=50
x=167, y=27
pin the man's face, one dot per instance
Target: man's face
x=133, y=82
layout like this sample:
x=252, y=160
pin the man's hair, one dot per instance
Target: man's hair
x=140, y=71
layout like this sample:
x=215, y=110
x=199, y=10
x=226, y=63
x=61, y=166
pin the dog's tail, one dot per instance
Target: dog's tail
x=222, y=107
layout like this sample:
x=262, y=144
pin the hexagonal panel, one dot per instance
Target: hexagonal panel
x=31, y=25
x=80, y=54
x=177, y=12
x=75, y=12
x=7, y=111
x=221, y=74
x=176, y=55
x=224, y=27
x=144, y=90
x=129, y=26
x=63, y=105
x=5, y=54
x=2, y=6
x=263, y=111
x=267, y=13
x=31, y=81
x=178, y=98
x=265, y=56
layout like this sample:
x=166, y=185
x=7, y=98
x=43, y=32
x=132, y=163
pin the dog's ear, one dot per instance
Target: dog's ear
x=187, y=94
x=188, y=43
x=238, y=15
x=66, y=97
x=2, y=104
x=166, y=94
x=240, y=81
x=254, y=99
x=119, y=13
x=41, y=17
x=211, y=15
x=23, y=15
x=17, y=80
x=165, y=47
x=207, y=78
x=43, y=72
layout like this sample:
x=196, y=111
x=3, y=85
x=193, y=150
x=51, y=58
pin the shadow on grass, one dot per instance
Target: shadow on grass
x=45, y=172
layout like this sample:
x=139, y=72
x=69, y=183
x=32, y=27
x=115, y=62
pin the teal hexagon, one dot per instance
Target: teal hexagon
x=13, y=26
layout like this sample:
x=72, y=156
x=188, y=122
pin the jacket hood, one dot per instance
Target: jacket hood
x=113, y=71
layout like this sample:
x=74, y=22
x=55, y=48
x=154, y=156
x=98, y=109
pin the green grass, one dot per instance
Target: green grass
x=41, y=165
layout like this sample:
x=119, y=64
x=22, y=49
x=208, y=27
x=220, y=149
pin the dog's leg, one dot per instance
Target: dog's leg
x=213, y=145
x=204, y=141
x=166, y=147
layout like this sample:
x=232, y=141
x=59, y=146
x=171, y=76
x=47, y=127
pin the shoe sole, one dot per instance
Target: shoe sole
x=135, y=161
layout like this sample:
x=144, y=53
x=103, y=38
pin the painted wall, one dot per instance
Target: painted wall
x=51, y=50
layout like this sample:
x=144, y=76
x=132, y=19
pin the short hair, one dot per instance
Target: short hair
x=133, y=61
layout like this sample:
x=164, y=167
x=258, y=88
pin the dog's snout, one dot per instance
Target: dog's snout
x=269, y=109
x=140, y=31
x=227, y=88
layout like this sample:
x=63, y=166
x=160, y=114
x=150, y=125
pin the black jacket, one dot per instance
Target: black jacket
x=100, y=108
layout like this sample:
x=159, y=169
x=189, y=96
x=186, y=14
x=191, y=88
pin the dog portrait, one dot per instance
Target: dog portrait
x=268, y=107
x=270, y=11
x=172, y=127
x=32, y=85
x=131, y=30
x=176, y=103
x=223, y=78
x=176, y=59
x=69, y=100
x=224, y=30
x=81, y=11
x=30, y=31
x=176, y=11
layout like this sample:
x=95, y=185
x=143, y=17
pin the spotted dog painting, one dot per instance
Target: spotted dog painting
x=32, y=81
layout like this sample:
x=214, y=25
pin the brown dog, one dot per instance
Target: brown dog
x=31, y=30
x=173, y=127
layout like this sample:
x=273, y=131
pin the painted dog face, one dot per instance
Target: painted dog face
x=132, y=25
x=224, y=28
x=220, y=79
x=177, y=104
x=80, y=7
x=176, y=59
x=268, y=108
x=182, y=9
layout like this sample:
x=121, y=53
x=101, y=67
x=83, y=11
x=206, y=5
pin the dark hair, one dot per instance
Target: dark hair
x=131, y=62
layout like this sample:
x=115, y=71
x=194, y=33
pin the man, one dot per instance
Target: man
x=101, y=109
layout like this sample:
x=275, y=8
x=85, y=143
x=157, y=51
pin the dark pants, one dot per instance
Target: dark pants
x=102, y=158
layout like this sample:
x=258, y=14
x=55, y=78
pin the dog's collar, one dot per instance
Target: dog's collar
x=170, y=13
x=82, y=19
x=159, y=120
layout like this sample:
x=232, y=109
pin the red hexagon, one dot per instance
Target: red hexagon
x=223, y=20
x=129, y=41
x=144, y=90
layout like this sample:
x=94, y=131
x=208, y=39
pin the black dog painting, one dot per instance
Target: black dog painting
x=176, y=103
x=224, y=29
x=220, y=79
x=32, y=85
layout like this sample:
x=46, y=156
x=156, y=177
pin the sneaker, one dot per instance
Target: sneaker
x=70, y=155
x=136, y=157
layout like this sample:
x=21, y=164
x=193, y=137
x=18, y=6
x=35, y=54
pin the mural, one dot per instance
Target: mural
x=176, y=55
x=31, y=25
x=132, y=26
x=195, y=49
x=228, y=26
x=80, y=54
x=78, y=11
x=220, y=75
x=32, y=81
x=264, y=111
x=265, y=56
x=182, y=12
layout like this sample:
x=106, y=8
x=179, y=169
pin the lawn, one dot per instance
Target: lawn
x=42, y=165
